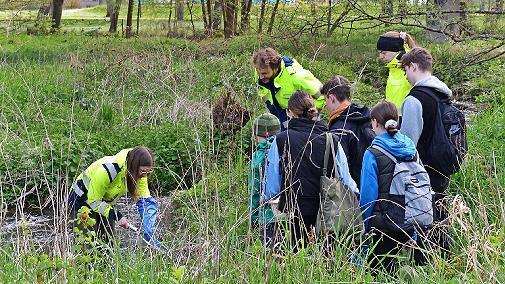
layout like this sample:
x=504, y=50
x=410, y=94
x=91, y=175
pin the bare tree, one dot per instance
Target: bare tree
x=179, y=11
x=114, y=15
x=272, y=18
x=439, y=18
x=245, y=22
x=57, y=9
x=230, y=17
x=262, y=16
x=129, y=19
x=218, y=14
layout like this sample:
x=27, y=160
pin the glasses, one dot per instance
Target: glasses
x=146, y=172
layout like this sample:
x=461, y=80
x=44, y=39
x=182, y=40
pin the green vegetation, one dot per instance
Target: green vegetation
x=69, y=98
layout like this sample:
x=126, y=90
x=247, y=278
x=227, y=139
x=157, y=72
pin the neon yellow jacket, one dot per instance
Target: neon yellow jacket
x=105, y=182
x=291, y=78
x=397, y=87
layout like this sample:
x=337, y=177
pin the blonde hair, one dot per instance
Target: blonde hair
x=409, y=40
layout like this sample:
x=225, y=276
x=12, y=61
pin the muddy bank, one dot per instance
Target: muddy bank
x=47, y=230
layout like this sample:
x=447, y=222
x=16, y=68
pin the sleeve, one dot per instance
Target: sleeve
x=272, y=179
x=412, y=119
x=306, y=81
x=343, y=169
x=369, y=191
x=97, y=184
x=148, y=211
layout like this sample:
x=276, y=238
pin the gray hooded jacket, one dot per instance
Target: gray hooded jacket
x=412, y=109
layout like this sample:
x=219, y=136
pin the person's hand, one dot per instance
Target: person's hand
x=123, y=222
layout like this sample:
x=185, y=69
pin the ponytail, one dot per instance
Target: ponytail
x=391, y=127
x=386, y=114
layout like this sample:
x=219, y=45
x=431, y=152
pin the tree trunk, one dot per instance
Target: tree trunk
x=387, y=7
x=272, y=18
x=57, y=11
x=245, y=20
x=262, y=16
x=218, y=14
x=114, y=15
x=229, y=17
x=129, y=19
x=179, y=11
x=499, y=6
x=204, y=16
x=139, y=15
x=446, y=23
x=209, y=14
x=110, y=7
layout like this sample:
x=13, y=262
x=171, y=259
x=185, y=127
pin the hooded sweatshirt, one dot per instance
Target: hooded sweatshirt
x=354, y=129
x=419, y=114
x=399, y=146
x=419, y=106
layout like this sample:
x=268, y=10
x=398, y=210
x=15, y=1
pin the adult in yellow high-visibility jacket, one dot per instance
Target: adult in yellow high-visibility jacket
x=392, y=46
x=109, y=178
x=278, y=77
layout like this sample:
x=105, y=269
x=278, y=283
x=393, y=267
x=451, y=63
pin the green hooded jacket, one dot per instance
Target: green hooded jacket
x=260, y=214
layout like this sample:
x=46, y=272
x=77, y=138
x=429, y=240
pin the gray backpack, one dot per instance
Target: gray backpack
x=408, y=202
x=339, y=211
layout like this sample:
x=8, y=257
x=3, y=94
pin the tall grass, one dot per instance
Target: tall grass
x=65, y=105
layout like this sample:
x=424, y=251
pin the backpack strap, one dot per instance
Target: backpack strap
x=433, y=93
x=329, y=146
x=386, y=153
x=391, y=157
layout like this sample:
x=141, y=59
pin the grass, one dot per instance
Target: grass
x=70, y=98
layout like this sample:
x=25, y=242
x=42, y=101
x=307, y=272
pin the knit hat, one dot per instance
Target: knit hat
x=266, y=125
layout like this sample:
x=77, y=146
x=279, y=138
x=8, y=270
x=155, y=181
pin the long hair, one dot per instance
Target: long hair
x=302, y=104
x=136, y=158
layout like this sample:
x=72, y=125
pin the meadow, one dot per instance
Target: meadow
x=71, y=97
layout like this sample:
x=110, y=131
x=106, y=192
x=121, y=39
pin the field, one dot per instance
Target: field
x=72, y=97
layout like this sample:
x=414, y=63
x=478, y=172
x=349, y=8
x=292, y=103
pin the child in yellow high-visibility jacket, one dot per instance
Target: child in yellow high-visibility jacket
x=109, y=178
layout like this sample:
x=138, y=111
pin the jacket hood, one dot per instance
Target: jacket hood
x=435, y=83
x=355, y=113
x=399, y=145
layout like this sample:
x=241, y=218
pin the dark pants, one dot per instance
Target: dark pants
x=439, y=234
x=104, y=227
x=301, y=229
x=386, y=247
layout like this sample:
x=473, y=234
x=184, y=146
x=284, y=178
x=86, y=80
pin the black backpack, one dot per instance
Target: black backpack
x=448, y=146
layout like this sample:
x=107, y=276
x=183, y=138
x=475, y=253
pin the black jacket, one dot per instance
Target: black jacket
x=354, y=129
x=301, y=150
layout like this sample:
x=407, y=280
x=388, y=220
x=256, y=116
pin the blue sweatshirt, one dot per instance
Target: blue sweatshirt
x=399, y=146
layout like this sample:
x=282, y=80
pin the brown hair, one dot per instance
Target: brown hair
x=136, y=158
x=383, y=112
x=408, y=39
x=421, y=57
x=339, y=87
x=267, y=57
x=302, y=104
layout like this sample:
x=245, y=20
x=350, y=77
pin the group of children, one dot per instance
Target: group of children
x=286, y=166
